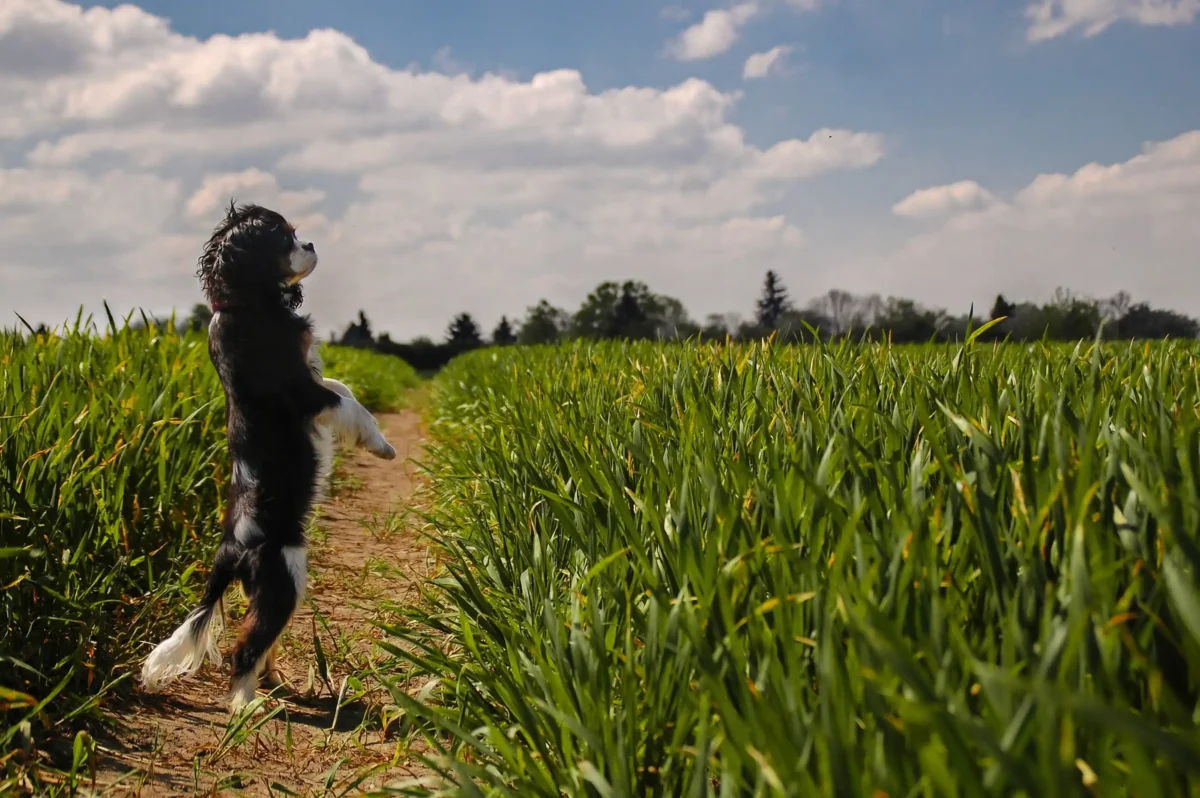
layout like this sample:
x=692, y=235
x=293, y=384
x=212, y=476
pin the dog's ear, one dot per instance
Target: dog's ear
x=208, y=266
x=213, y=266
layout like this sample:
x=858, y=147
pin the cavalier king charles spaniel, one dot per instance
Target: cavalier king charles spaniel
x=282, y=416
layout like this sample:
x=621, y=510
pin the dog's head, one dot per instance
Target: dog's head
x=254, y=258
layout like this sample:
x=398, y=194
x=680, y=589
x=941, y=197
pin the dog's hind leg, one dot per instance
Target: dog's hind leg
x=276, y=584
x=269, y=675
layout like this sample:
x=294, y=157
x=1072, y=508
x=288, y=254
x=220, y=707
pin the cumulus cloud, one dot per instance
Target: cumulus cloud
x=70, y=234
x=715, y=33
x=938, y=200
x=760, y=65
x=1049, y=19
x=217, y=190
x=1100, y=229
x=427, y=193
x=719, y=28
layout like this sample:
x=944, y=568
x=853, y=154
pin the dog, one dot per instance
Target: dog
x=282, y=415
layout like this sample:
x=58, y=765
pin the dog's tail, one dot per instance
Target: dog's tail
x=183, y=652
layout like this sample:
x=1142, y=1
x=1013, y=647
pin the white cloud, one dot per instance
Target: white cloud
x=426, y=193
x=939, y=200
x=1049, y=19
x=715, y=33
x=760, y=65
x=719, y=28
x=216, y=191
x=1103, y=228
x=67, y=231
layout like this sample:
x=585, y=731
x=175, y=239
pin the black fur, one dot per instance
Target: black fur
x=256, y=342
x=245, y=259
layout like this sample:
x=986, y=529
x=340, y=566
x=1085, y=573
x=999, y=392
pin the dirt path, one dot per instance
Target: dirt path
x=365, y=552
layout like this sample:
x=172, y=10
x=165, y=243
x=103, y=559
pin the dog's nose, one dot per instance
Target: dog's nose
x=310, y=247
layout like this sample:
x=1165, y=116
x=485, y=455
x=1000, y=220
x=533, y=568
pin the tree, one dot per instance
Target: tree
x=1069, y=317
x=594, y=319
x=867, y=311
x=421, y=353
x=791, y=327
x=1116, y=306
x=838, y=307
x=719, y=326
x=200, y=317
x=358, y=333
x=631, y=311
x=503, y=335
x=773, y=303
x=670, y=319
x=1002, y=308
x=1026, y=321
x=1143, y=321
x=463, y=333
x=907, y=322
x=543, y=324
x=628, y=319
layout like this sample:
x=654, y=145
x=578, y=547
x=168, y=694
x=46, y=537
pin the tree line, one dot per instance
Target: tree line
x=631, y=311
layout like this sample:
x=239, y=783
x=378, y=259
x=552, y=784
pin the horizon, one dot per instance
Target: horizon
x=731, y=319
x=478, y=162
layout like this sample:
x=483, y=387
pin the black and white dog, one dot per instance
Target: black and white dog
x=282, y=415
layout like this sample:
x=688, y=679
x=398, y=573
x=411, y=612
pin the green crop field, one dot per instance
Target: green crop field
x=112, y=464
x=859, y=570
x=681, y=569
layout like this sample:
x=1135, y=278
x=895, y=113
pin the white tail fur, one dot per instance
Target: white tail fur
x=183, y=652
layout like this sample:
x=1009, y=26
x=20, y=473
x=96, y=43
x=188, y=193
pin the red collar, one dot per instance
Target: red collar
x=218, y=306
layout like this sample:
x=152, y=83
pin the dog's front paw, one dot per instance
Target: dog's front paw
x=383, y=450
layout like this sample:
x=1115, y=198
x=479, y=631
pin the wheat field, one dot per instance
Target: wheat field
x=847, y=570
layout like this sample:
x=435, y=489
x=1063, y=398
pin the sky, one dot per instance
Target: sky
x=479, y=156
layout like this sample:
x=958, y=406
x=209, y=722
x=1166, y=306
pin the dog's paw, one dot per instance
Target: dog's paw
x=383, y=450
x=274, y=679
x=241, y=694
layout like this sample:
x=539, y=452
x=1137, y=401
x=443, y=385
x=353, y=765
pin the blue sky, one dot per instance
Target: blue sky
x=956, y=92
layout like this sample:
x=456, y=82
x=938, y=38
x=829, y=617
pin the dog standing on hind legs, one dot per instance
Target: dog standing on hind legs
x=281, y=415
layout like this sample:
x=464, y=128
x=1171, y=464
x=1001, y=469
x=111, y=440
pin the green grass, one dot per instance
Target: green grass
x=112, y=467
x=839, y=571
